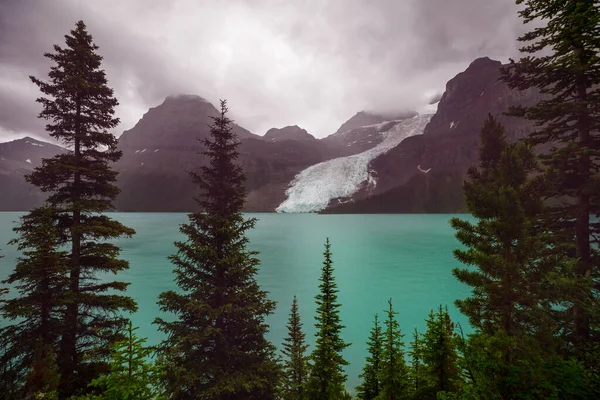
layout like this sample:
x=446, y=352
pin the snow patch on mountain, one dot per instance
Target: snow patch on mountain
x=314, y=188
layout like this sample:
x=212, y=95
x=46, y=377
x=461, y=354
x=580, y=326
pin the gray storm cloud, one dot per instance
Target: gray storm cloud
x=313, y=63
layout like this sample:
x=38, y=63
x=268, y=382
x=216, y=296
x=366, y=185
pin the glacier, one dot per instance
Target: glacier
x=313, y=188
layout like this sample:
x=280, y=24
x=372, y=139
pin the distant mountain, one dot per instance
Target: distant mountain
x=288, y=133
x=372, y=163
x=425, y=173
x=362, y=132
x=342, y=179
x=18, y=158
x=163, y=146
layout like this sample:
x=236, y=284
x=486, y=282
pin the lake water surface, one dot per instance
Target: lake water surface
x=376, y=257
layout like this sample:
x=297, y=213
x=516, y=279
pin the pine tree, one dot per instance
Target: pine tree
x=36, y=313
x=296, y=360
x=561, y=60
x=369, y=388
x=132, y=376
x=80, y=109
x=439, y=356
x=327, y=375
x=416, y=370
x=394, y=381
x=504, y=245
x=216, y=346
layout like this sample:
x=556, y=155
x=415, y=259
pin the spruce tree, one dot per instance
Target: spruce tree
x=394, y=381
x=416, y=370
x=132, y=376
x=504, y=246
x=80, y=109
x=439, y=356
x=369, y=388
x=35, y=315
x=296, y=361
x=327, y=375
x=216, y=346
x=561, y=60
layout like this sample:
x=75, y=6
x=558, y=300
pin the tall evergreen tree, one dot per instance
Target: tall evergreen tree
x=296, y=360
x=216, y=346
x=80, y=109
x=504, y=245
x=416, y=368
x=562, y=61
x=439, y=356
x=327, y=375
x=369, y=388
x=394, y=381
x=36, y=313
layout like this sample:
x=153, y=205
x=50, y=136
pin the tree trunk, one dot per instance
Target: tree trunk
x=582, y=223
x=69, y=360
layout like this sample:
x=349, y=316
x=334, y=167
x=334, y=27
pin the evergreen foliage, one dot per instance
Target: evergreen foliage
x=416, y=355
x=43, y=379
x=393, y=380
x=80, y=109
x=561, y=60
x=437, y=354
x=296, y=361
x=132, y=376
x=510, y=277
x=36, y=312
x=327, y=375
x=216, y=346
x=370, y=386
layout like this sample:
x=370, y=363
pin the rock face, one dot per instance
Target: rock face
x=17, y=159
x=163, y=147
x=288, y=133
x=343, y=178
x=425, y=173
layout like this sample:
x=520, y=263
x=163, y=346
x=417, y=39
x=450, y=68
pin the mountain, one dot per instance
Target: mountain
x=343, y=178
x=288, y=133
x=424, y=173
x=18, y=158
x=163, y=146
x=362, y=132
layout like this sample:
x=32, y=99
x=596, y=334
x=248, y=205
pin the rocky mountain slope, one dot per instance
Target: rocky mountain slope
x=344, y=178
x=372, y=163
x=425, y=173
x=18, y=158
x=163, y=146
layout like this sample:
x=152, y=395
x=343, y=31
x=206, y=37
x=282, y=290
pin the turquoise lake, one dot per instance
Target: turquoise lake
x=376, y=257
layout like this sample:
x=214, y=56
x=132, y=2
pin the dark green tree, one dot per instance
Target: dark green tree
x=34, y=316
x=370, y=387
x=504, y=246
x=132, y=375
x=561, y=60
x=439, y=372
x=216, y=346
x=296, y=360
x=43, y=379
x=80, y=108
x=393, y=380
x=327, y=375
x=416, y=367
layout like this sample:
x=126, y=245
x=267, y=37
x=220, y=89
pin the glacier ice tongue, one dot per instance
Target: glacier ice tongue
x=313, y=188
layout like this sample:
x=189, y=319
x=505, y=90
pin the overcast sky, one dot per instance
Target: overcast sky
x=313, y=63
